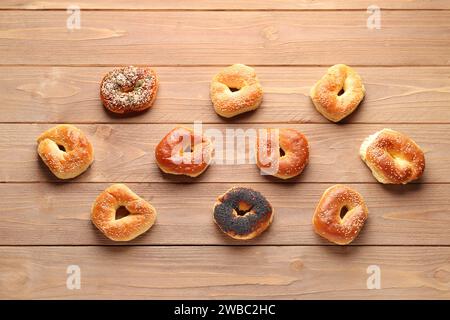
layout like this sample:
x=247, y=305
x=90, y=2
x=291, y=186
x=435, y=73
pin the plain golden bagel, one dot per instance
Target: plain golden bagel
x=393, y=157
x=340, y=214
x=242, y=213
x=338, y=93
x=141, y=215
x=129, y=89
x=184, y=152
x=235, y=90
x=283, y=153
x=65, y=150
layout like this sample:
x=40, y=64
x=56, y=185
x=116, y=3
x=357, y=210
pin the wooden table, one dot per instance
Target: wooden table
x=50, y=75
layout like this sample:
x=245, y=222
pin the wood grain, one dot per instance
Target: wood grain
x=71, y=94
x=225, y=272
x=225, y=5
x=254, y=38
x=59, y=214
x=49, y=75
x=125, y=153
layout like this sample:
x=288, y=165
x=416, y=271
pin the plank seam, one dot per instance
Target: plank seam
x=223, y=245
x=224, y=123
x=214, y=182
x=218, y=123
x=100, y=65
x=222, y=10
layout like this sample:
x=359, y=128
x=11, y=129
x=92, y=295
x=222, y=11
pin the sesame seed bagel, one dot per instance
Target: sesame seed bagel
x=65, y=150
x=340, y=214
x=393, y=157
x=338, y=93
x=242, y=213
x=129, y=89
x=283, y=153
x=235, y=90
x=141, y=216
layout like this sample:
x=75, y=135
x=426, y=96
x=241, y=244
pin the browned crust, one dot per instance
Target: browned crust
x=325, y=92
x=394, y=157
x=296, y=148
x=263, y=225
x=142, y=214
x=78, y=154
x=110, y=101
x=229, y=104
x=193, y=164
x=327, y=221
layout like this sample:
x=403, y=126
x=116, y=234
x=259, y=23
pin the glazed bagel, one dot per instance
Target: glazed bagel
x=393, y=157
x=182, y=152
x=242, y=213
x=340, y=214
x=65, y=150
x=129, y=89
x=235, y=90
x=338, y=93
x=141, y=215
x=283, y=153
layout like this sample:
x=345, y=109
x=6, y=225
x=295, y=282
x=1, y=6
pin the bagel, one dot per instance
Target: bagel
x=340, y=214
x=65, y=150
x=242, y=213
x=338, y=93
x=235, y=90
x=392, y=157
x=141, y=215
x=129, y=89
x=283, y=153
x=182, y=152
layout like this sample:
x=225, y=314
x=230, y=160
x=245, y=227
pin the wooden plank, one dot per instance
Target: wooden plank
x=255, y=38
x=225, y=5
x=225, y=272
x=49, y=74
x=71, y=94
x=59, y=214
x=125, y=153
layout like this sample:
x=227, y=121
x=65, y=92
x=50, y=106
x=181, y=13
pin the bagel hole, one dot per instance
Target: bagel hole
x=341, y=92
x=234, y=89
x=243, y=208
x=398, y=159
x=61, y=147
x=127, y=89
x=343, y=212
x=186, y=149
x=282, y=152
x=121, y=212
